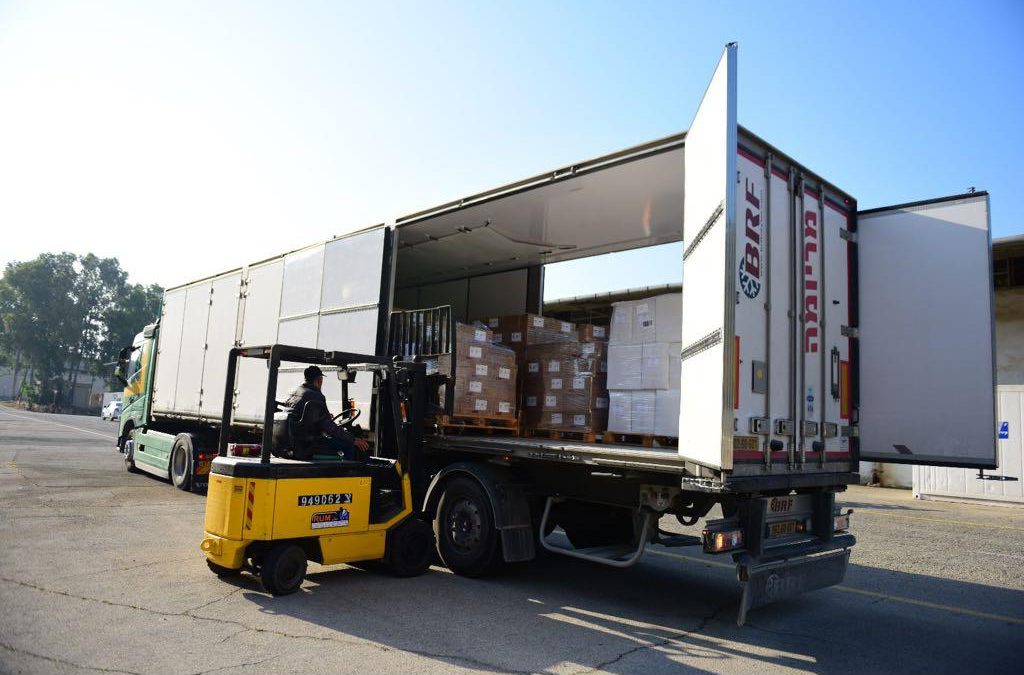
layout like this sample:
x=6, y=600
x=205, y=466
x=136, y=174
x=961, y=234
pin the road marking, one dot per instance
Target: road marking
x=37, y=419
x=942, y=520
x=952, y=609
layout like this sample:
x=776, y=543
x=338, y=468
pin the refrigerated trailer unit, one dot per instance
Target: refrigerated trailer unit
x=813, y=336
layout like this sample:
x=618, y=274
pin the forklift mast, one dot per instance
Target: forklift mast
x=399, y=402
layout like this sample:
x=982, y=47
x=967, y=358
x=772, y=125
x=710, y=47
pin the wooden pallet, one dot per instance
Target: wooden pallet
x=490, y=426
x=614, y=437
x=561, y=435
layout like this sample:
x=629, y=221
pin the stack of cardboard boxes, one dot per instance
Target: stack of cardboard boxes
x=562, y=371
x=643, y=366
x=485, y=374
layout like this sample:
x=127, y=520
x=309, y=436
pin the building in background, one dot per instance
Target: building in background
x=87, y=396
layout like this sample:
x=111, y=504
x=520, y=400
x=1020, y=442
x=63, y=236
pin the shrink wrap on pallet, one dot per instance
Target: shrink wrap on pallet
x=632, y=412
x=520, y=331
x=485, y=374
x=564, y=386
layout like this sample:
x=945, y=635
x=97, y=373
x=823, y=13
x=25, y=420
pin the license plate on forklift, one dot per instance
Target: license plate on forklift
x=782, y=529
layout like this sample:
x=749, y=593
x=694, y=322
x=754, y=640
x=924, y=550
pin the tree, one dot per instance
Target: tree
x=38, y=314
x=61, y=313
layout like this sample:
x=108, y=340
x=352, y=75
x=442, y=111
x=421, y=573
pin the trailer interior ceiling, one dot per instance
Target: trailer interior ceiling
x=628, y=200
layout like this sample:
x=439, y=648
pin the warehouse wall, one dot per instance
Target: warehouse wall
x=1010, y=335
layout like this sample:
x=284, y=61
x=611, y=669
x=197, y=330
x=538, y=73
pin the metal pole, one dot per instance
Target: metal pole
x=271, y=404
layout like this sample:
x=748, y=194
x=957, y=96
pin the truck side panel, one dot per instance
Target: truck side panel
x=168, y=349
x=221, y=334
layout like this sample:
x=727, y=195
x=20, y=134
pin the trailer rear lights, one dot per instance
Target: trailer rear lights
x=723, y=540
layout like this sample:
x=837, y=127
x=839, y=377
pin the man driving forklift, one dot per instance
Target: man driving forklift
x=311, y=425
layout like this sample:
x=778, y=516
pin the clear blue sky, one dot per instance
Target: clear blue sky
x=140, y=129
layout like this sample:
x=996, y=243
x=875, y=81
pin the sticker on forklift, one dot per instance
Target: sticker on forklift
x=329, y=499
x=326, y=519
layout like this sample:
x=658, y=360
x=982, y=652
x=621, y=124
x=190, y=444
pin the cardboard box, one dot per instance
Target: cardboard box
x=485, y=374
x=588, y=332
x=632, y=412
x=656, y=319
x=624, y=366
x=567, y=421
x=666, y=413
x=519, y=331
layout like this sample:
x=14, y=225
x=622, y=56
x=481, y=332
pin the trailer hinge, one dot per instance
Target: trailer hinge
x=848, y=236
x=850, y=332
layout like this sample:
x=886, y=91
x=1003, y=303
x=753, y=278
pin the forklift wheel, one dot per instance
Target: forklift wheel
x=220, y=570
x=283, y=569
x=410, y=548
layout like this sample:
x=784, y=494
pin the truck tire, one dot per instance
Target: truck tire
x=181, y=462
x=283, y=569
x=129, y=452
x=410, y=548
x=467, y=540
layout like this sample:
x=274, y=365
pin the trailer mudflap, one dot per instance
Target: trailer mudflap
x=783, y=579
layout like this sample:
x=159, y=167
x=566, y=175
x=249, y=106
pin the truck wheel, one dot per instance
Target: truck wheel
x=129, y=452
x=283, y=569
x=181, y=462
x=466, y=537
x=220, y=570
x=410, y=548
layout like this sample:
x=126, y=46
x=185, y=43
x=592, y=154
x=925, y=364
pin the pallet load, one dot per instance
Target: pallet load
x=485, y=380
x=564, y=388
x=520, y=331
x=643, y=368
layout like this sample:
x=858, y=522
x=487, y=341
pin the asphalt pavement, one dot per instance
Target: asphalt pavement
x=100, y=571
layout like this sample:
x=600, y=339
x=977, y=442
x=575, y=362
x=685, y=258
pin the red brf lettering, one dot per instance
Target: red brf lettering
x=810, y=283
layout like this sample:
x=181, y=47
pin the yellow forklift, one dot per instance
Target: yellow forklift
x=271, y=515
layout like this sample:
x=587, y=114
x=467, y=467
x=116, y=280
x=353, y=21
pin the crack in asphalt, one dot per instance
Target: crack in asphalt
x=659, y=643
x=236, y=665
x=123, y=569
x=63, y=662
x=189, y=614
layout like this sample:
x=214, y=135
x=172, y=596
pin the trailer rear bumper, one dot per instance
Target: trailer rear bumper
x=789, y=572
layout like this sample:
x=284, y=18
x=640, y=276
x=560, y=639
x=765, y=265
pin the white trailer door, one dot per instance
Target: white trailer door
x=709, y=211
x=927, y=354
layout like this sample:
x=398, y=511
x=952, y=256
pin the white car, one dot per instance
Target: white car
x=111, y=411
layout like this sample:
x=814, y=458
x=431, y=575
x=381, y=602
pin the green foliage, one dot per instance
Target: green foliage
x=62, y=312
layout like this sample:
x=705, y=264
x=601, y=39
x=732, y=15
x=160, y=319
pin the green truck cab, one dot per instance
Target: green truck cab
x=180, y=455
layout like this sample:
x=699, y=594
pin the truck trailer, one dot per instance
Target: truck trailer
x=814, y=336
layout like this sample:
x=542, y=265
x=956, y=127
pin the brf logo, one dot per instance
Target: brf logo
x=750, y=263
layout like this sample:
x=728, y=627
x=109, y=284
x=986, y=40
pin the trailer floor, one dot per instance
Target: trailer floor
x=100, y=571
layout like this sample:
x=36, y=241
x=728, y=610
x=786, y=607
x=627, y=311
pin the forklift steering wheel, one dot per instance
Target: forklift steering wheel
x=347, y=416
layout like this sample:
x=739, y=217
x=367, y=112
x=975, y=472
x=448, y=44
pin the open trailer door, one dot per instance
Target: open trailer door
x=707, y=386
x=926, y=333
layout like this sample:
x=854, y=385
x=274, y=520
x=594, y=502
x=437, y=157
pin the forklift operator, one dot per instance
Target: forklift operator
x=315, y=432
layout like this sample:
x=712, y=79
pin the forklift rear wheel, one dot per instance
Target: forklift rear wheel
x=181, y=462
x=466, y=537
x=220, y=570
x=283, y=569
x=410, y=548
